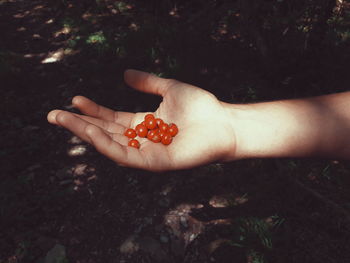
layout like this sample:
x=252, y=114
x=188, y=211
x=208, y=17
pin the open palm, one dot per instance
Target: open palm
x=204, y=133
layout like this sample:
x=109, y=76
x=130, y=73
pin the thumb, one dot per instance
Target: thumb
x=146, y=82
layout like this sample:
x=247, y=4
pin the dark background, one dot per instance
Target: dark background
x=60, y=201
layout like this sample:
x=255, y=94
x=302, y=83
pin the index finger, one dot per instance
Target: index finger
x=92, y=109
x=121, y=154
x=146, y=82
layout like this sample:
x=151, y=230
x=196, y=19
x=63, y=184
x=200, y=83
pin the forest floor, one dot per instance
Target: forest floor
x=61, y=200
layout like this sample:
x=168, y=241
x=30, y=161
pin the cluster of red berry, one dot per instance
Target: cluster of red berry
x=155, y=129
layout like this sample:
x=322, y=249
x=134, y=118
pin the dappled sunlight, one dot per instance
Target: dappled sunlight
x=86, y=16
x=53, y=57
x=64, y=31
x=77, y=150
x=220, y=201
x=227, y=200
x=50, y=57
x=129, y=246
x=21, y=29
x=235, y=36
x=31, y=55
x=174, y=12
x=77, y=177
x=186, y=227
x=223, y=29
x=80, y=169
x=50, y=21
x=75, y=140
x=61, y=188
x=38, y=7
x=83, y=173
x=34, y=11
x=36, y=36
x=182, y=224
x=241, y=200
x=180, y=230
x=134, y=27
x=21, y=15
x=83, y=169
x=58, y=55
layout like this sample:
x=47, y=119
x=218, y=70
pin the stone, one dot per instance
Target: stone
x=129, y=246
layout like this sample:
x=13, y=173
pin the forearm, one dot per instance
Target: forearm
x=318, y=126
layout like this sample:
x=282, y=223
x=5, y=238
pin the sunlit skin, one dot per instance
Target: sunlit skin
x=211, y=130
x=196, y=112
x=309, y=127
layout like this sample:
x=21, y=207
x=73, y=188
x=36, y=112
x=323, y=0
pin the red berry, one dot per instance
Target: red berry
x=149, y=115
x=163, y=127
x=130, y=133
x=161, y=134
x=156, y=138
x=151, y=133
x=172, y=129
x=134, y=143
x=151, y=123
x=141, y=130
x=167, y=139
x=159, y=121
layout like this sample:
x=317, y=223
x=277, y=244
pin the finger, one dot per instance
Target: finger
x=146, y=82
x=51, y=116
x=110, y=127
x=114, y=146
x=74, y=124
x=122, y=139
x=92, y=109
x=105, y=125
x=77, y=125
x=127, y=156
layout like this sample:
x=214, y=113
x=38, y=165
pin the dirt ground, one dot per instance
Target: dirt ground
x=60, y=200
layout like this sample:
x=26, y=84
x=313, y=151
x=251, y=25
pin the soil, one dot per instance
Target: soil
x=55, y=189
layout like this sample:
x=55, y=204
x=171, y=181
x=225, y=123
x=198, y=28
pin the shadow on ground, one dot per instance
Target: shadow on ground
x=61, y=200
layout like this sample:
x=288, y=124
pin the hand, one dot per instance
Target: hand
x=205, y=134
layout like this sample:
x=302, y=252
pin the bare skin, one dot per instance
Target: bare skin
x=309, y=127
x=211, y=130
x=204, y=133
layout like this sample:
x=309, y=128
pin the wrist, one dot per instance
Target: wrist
x=291, y=128
x=269, y=129
x=235, y=116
